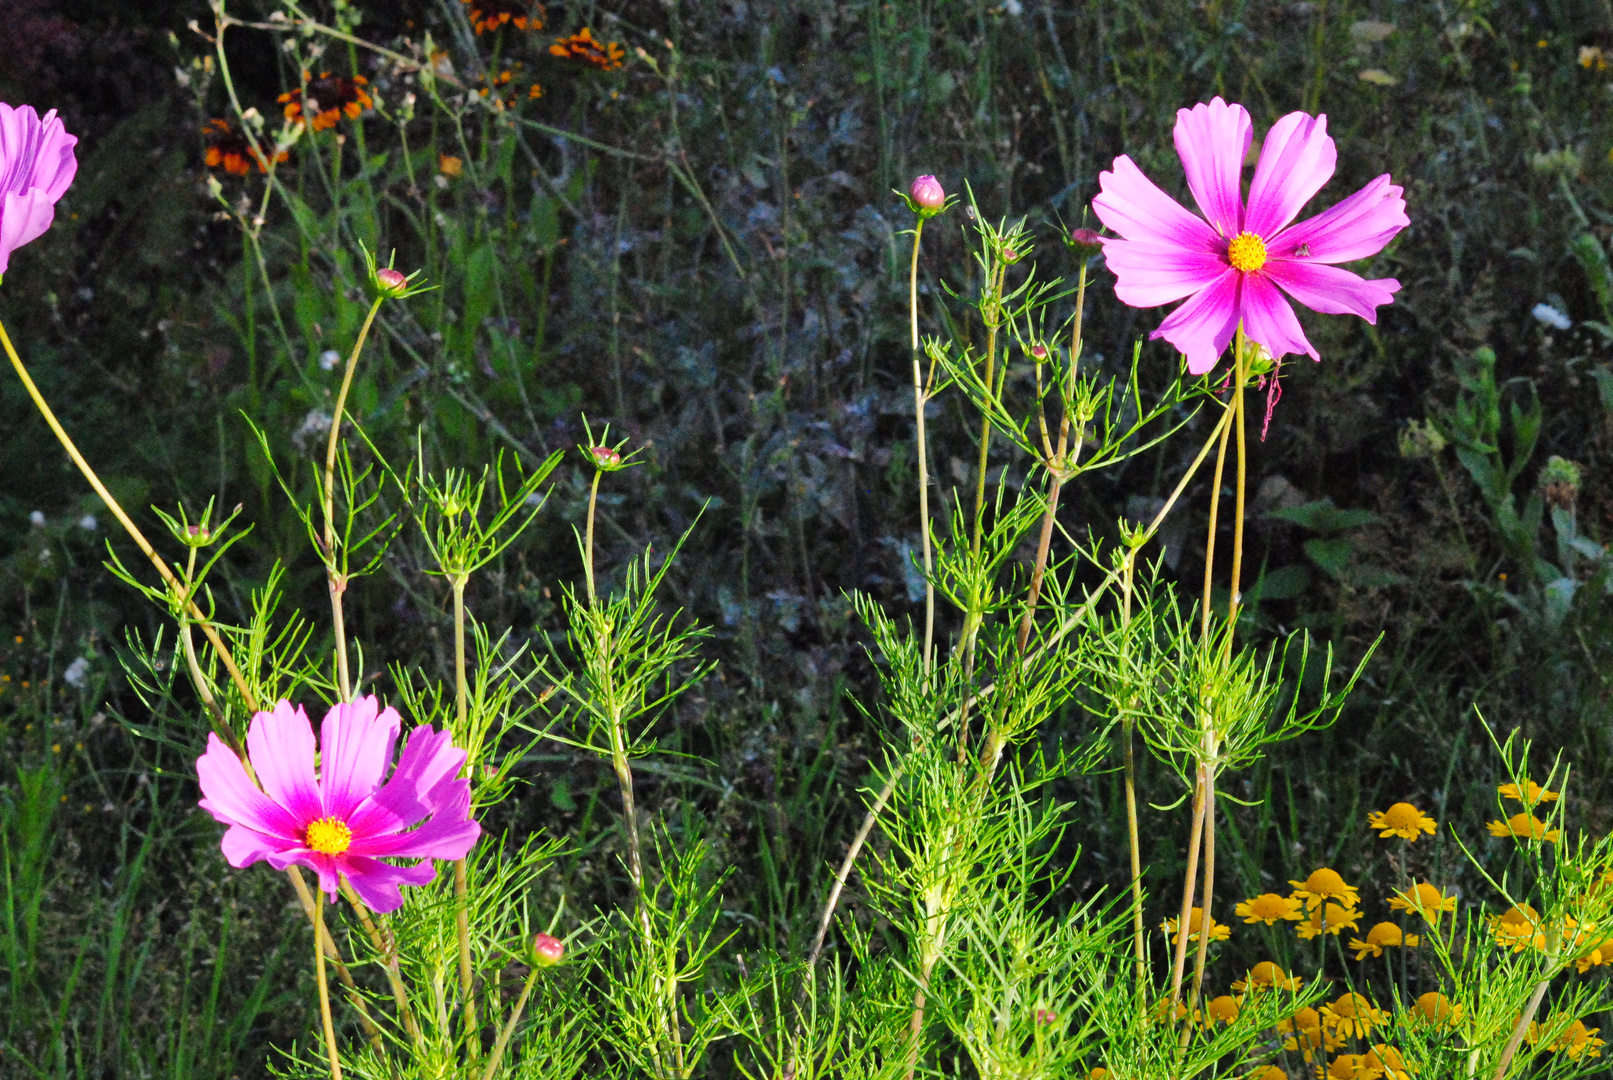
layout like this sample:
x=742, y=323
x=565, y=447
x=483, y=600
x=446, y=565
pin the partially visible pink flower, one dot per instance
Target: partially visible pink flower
x=36, y=165
x=346, y=820
x=1238, y=265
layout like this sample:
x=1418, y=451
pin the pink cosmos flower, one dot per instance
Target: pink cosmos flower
x=343, y=822
x=36, y=165
x=1238, y=264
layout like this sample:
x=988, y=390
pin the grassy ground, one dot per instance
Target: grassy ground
x=715, y=269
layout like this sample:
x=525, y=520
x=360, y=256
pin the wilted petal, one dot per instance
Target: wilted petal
x=1212, y=141
x=1150, y=272
x=233, y=799
x=1201, y=327
x=377, y=882
x=1297, y=158
x=280, y=745
x=1132, y=205
x=1354, y=229
x=1269, y=319
x=1333, y=291
x=356, y=741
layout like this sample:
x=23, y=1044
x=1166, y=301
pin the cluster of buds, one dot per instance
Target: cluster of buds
x=1559, y=482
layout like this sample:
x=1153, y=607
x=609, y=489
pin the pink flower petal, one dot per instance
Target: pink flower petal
x=1297, y=158
x=355, y=747
x=1269, y=319
x=450, y=834
x=429, y=759
x=317, y=861
x=1212, y=141
x=377, y=882
x=1132, y=205
x=244, y=846
x=1201, y=327
x=1331, y=290
x=1151, y=272
x=280, y=745
x=24, y=217
x=1354, y=229
x=233, y=799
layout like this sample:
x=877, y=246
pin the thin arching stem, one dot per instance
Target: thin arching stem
x=324, y=990
x=920, y=400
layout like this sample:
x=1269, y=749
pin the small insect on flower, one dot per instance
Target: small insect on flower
x=1384, y=935
x=1325, y=884
x=1269, y=908
x=36, y=166
x=1537, y=794
x=1218, y=932
x=345, y=817
x=229, y=148
x=1403, y=820
x=330, y=97
x=1243, y=261
x=582, y=46
x=487, y=16
x=1524, y=826
x=1425, y=899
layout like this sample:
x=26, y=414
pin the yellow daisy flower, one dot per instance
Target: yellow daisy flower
x=1218, y=931
x=1388, y=1061
x=1425, y=899
x=1537, y=794
x=1307, y=1035
x=1352, y=1067
x=1601, y=954
x=1524, y=826
x=1268, y=908
x=1577, y=1041
x=1270, y=1072
x=1338, y=919
x=1383, y=935
x=1220, y=1010
x=1325, y=884
x=1265, y=976
x=1352, y=1014
x=1403, y=820
x=1518, y=928
x=1435, y=1008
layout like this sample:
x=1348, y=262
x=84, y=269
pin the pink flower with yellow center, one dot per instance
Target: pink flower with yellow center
x=342, y=820
x=1235, y=264
x=36, y=166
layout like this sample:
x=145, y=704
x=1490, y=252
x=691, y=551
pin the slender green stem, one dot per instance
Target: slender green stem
x=1525, y=1018
x=588, y=543
x=503, y=1040
x=920, y=400
x=336, y=578
x=1206, y=922
x=354, y=998
x=175, y=588
x=387, y=949
x=1240, y=375
x=324, y=989
x=1127, y=583
x=467, y=975
x=1209, y=540
x=1185, y=924
x=844, y=873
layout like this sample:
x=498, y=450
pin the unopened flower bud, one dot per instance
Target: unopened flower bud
x=604, y=457
x=1010, y=255
x=1085, y=241
x=1046, y=1016
x=391, y=283
x=927, y=195
x=547, y=950
x=1039, y=352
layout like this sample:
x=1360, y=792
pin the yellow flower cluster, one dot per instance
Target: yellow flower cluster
x=1524, y=825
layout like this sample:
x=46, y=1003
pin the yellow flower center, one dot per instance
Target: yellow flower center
x=329, y=836
x=1246, y=252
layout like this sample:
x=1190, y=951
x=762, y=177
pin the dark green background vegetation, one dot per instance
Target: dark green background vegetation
x=756, y=350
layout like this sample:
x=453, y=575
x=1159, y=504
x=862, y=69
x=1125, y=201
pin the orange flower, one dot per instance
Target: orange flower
x=1425, y=899
x=1537, y=794
x=1221, y=1010
x=330, y=96
x=1264, y=976
x=1325, y=884
x=449, y=165
x=229, y=148
x=1435, y=1008
x=1403, y=820
x=488, y=15
x=1306, y=1033
x=1218, y=931
x=1524, y=827
x=1518, y=928
x=1338, y=919
x=1352, y=1014
x=1382, y=936
x=1268, y=908
x=1601, y=954
x=582, y=46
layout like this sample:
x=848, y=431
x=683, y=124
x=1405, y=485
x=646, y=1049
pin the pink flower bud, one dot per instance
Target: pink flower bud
x=1039, y=352
x=927, y=193
x=547, y=951
x=604, y=457
x=1010, y=255
x=1046, y=1016
x=390, y=281
x=1086, y=241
